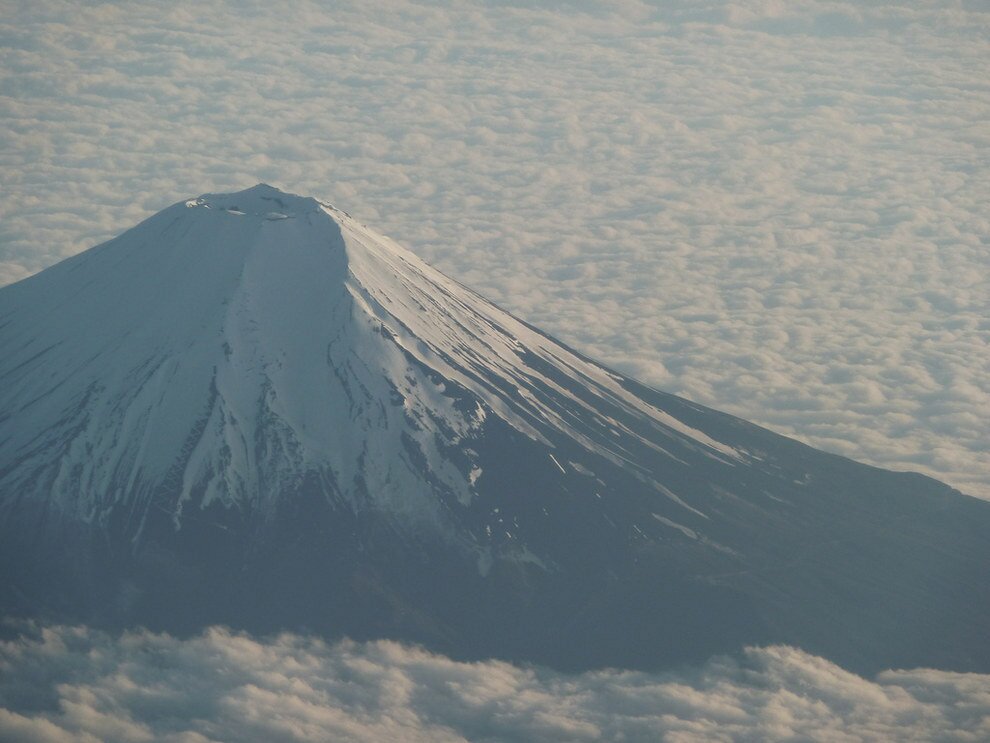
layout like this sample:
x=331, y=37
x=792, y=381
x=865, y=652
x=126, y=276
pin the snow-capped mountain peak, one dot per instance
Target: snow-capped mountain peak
x=260, y=337
x=255, y=403
x=260, y=200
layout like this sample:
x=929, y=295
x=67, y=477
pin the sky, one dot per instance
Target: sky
x=777, y=209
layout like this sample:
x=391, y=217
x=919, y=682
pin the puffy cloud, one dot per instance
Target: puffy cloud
x=73, y=683
x=777, y=209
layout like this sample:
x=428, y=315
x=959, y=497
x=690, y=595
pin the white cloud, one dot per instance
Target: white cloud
x=62, y=683
x=778, y=209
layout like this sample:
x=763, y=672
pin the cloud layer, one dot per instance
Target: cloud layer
x=777, y=209
x=75, y=684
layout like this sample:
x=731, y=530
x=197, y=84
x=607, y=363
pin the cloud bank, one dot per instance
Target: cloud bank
x=76, y=684
x=777, y=209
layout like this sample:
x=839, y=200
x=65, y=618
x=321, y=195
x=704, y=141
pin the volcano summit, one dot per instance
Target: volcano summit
x=251, y=409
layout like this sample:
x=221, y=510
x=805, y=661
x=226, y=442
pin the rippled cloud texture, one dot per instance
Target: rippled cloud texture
x=74, y=684
x=777, y=209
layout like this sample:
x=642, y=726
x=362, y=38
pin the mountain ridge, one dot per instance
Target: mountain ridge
x=287, y=420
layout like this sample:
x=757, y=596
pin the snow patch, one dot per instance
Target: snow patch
x=690, y=533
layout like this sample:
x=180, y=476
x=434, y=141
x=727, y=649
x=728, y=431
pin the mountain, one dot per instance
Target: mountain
x=251, y=409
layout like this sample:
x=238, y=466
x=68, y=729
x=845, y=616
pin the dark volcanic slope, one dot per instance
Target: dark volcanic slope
x=251, y=409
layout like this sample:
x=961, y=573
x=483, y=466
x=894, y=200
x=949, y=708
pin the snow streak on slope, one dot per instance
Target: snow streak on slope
x=483, y=343
x=248, y=343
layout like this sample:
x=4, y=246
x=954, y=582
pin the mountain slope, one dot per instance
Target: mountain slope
x=252, y=409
